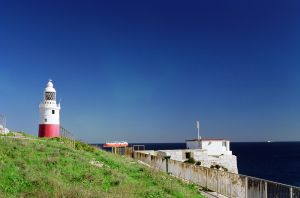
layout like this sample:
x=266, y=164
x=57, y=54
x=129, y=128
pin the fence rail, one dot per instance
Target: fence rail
x=224, y=183
x=67, y=134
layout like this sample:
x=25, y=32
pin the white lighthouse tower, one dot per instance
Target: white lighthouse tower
x=49, y=113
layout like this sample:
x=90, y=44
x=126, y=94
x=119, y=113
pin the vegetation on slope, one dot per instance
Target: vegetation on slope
x=51, y=168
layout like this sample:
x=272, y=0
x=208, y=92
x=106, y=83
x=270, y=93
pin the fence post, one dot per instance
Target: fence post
x=191, y=177
x=266, y=189
x=206, y=177
x=167, y=163
x=230, y=186
x=217, y=183
x=246, y=187
x=291, y=192
x=198, y=176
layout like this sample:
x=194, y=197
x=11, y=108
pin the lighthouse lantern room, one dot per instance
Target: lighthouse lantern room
x=49, y=113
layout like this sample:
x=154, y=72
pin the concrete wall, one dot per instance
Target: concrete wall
x=226, y=161
x=225, y=183
x=178, y=155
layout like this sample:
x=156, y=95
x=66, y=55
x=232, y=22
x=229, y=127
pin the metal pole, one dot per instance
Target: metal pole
x=198, y=127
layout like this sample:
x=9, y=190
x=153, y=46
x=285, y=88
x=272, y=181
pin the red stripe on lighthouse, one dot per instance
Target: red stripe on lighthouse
x=49, y=130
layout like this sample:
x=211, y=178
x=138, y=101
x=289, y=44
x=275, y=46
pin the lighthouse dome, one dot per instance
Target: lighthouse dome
x=50, y=87
x=50, y=93
x=50, y=84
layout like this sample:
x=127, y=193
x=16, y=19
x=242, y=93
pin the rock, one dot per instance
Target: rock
x=96, y=163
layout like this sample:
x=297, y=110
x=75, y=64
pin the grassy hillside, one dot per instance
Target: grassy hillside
x=51, y=168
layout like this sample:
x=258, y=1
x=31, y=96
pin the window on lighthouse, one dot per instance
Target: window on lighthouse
x=53, y=111
x=50, y=95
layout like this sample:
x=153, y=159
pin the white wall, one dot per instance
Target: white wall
x=227, y=161
x=3, y=130
x=175, y=154
x=213, y=147
x=194, y=144
x=46, y=116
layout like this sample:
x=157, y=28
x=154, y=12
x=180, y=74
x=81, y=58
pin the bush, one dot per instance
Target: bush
x=8, y=134
x=198, y=163
x=81, y=146
x=219, y=167
x=84, y=147
x=190, y=161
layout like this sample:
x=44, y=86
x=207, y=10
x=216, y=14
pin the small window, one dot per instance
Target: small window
x=45, y=119
x=187, y=155
x=53, y=111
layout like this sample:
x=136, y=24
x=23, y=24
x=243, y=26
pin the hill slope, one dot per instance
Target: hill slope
x=51, y=168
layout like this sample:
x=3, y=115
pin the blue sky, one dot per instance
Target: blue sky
x=145, y=71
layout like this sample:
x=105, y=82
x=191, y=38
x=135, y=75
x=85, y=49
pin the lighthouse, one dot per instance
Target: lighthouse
x=49, y=113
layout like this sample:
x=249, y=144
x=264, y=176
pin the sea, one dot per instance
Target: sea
x=275, y=161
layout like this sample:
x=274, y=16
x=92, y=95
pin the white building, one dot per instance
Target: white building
x=212, y=146
x=3, y=130
x=208, y=152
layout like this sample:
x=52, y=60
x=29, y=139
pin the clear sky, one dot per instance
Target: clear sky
x=145, y=71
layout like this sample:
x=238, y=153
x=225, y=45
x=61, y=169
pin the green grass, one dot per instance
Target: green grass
x=51, y=168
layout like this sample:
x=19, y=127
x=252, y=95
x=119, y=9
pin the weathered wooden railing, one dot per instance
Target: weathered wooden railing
x=224, y=183
x=64, y=133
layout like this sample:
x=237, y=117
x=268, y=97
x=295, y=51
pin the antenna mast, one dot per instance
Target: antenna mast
x=198, y=128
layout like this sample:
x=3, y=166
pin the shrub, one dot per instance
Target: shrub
x=198, y=163
x=219, y=167
x=190, y=161
x=84, y=147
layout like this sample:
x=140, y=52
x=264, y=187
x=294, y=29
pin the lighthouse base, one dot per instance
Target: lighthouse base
x=49, y=130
